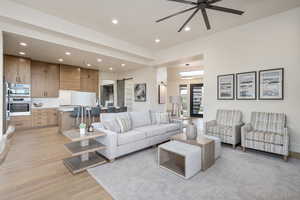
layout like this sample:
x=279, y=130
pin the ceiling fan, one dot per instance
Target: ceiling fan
x=200, y=5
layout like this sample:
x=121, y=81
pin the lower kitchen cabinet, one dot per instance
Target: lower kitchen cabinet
x=21, y=122
x=66, y=121
x=44, y=117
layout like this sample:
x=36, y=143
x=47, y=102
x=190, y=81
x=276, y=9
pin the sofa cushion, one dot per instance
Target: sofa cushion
x=111, y=126
x=172, y=127
x=140, y=119
x=153, y=130
x=259, y=121
x=266, y=137
x=124, y=123
x=130, y=136
x=153, y=117
x=276, y=123
x=109, y=121
x=220, y=130
x=162, y=118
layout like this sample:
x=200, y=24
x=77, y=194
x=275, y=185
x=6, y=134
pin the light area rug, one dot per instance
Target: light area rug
x=234, y=176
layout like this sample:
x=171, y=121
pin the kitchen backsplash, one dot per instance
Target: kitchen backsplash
x=46, y=102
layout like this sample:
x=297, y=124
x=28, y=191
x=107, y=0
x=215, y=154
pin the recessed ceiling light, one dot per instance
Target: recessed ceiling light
x=187, y=28
x=110, y=68
x=123, y=65
x=61, y=60
x=22, y=53
x=23, y=44
x=99, y=60
x=114, y=21
x=192, y=73
x=157, y=40
x=88, y=65
x=68, y=53
x=187, y=78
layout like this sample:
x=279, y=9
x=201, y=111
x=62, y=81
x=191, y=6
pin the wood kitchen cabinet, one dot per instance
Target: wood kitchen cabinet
x=44, y=79
x=52, y=116
x=21, y=122
x=44, y=117
x=89, y=80
x=17, y=70
x=69, y=77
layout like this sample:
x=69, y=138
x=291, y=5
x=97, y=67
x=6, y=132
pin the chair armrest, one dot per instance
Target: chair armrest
x=237, y=133
x=209, y=124
x=245, y=129
x=110, y=141
x=286, y=141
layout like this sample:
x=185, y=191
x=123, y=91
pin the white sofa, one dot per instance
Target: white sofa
x=145, y=132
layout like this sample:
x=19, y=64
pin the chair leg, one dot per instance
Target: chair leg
x=244, y=149
x=285, y=158
x=233, y=146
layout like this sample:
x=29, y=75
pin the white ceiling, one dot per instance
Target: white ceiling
x=137, y=17
x=50, y=52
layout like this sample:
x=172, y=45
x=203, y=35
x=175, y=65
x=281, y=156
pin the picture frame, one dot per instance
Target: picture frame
x=226, y=87
x=271, y=84
x=161, y=94
x=140, y=92
x=246, y=86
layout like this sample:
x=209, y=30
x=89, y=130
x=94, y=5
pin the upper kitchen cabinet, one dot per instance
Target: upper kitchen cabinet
x=69, y=77
x=17, y=70
x=89, y=80
x=45, y=79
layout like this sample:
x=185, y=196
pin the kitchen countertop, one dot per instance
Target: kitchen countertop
x=60, y=108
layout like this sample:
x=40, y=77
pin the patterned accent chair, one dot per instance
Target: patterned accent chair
x=227, y=126
x=266, y=132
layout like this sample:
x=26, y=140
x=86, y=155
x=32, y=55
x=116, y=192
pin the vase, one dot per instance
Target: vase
x=82, y=131
x=191, y=132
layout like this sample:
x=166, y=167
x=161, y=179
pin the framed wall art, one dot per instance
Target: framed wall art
x=225, y=87
x=140, y=92
x=271, y=84
x=246, y=86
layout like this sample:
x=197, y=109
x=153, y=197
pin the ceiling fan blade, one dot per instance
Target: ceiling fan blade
x=188, y=20
x=213, y=1
x=223, y=9
x=178, y=13
x=185, y=2
x=205, y=17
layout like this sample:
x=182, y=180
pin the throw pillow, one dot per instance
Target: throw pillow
x=163, y=118
x=153, y=116
x=111, y=125
x=124, y=124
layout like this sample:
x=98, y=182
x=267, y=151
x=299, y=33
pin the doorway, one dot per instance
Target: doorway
x=196, y=100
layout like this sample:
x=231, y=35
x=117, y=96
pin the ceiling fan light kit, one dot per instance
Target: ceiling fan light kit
x=200, y=5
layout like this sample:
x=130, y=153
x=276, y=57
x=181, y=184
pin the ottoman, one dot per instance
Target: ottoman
x=217, y=140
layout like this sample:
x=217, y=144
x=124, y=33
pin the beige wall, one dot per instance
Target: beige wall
x=268, y=43
x=149, y=76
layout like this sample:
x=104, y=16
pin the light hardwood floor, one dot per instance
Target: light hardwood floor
x=33, y=170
